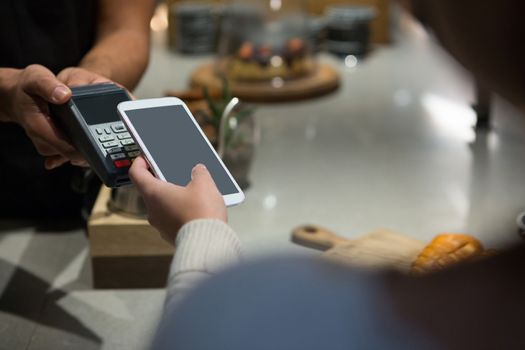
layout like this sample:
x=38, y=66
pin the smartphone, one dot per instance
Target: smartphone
x=172, y=142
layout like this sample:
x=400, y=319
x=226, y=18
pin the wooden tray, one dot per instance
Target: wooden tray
x=323, y=81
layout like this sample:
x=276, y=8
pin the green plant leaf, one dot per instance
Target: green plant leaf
x=226, y=91
x=214, y=107
x=205, y=117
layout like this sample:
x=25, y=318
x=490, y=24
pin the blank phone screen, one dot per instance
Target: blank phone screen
x=176, y=145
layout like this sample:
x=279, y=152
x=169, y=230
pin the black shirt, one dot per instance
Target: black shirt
x=55, y=34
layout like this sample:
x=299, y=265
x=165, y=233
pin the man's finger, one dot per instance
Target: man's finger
x=80, y=163
x=46, y=140
x=54, y=162
x=79, y=76
x=44, y=148
x=41, y=132
x=40, y=81
x=78, y=80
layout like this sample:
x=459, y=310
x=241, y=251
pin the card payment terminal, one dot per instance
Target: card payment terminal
x=90, y=122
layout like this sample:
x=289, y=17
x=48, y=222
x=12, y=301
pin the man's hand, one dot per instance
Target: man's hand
x=74, y=76
x=171, y=206
x=34, y=87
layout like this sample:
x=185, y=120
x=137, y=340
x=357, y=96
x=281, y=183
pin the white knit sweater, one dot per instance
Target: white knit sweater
x=203, y=247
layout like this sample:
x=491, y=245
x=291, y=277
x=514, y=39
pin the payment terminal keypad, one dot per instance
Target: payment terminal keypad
x=115, y=143
x=91, y=123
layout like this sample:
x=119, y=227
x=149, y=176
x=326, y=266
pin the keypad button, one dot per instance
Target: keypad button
x=114, y=150
x=125, y=135
x=131, y=148
x=110, y=144
x=106, y=138
x=127, y=142
x=118, y=156
x=107, y=131
x=98, y=131
x=118, y=128
x=122, y=163
x=133, y=154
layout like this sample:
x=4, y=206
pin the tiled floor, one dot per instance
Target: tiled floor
x=393, y=148
x=48, y=303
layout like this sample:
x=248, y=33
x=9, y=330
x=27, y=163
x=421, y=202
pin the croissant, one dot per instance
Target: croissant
x=445, y=250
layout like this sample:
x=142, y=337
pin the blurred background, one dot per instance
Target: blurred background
x=351, y=117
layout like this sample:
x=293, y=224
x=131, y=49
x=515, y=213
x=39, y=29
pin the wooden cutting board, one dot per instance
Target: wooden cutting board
x=378, y=249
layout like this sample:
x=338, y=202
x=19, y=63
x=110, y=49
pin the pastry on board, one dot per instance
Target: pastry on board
x=263, y=62
x=448, y=249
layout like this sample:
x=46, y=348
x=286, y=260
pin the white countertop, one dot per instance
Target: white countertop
x=393, y=148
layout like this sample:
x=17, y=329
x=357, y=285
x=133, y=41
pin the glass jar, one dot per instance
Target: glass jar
x=264, y=40
x=237, y=144
x=348, y=29
x=195, y=27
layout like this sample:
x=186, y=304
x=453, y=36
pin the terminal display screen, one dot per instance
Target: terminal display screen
x=99, y=109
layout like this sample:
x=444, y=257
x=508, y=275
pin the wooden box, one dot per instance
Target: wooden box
x=125, y=252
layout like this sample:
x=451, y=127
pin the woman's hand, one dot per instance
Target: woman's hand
x=171, y=206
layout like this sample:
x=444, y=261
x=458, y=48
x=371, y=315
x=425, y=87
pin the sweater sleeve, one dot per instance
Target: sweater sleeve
x=203, y=247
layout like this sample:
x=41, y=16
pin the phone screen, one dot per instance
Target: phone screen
x=176, y=145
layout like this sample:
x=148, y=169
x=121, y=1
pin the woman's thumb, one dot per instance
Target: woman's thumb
x=199, y=173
